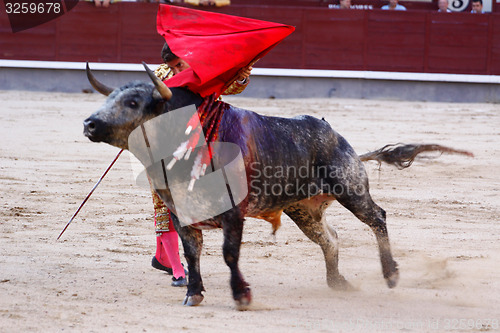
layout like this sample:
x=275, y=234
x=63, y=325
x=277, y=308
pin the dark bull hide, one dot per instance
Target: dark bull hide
x=267, y=143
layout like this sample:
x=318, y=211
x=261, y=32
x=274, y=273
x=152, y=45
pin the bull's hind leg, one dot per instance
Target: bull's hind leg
x=353, y=193
x=232, y=225
x=192, y=242
x=309, y=217
x=374, y=217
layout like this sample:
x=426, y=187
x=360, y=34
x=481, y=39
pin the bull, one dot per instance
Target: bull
x=299, y=142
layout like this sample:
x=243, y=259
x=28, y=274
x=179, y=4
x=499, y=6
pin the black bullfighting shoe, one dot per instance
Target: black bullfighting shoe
x=156, y=264
x=179, y=282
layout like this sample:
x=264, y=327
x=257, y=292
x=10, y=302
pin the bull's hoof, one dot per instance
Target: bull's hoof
x=243, y=300
x=192, y=300
x=393, y=279
x=339, y=283
x=179, y=282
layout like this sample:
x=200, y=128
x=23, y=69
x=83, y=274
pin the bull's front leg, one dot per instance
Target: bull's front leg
x=192, y=242
x=232, y=224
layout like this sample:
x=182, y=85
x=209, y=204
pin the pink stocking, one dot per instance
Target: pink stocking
x=170, y=242
x=161, y=255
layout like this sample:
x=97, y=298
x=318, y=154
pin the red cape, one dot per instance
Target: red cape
x=216, y=46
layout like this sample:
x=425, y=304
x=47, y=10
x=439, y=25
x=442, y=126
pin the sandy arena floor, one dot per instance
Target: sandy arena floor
x=443, y=220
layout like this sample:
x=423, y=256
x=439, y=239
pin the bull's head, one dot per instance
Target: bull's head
x=129, y=106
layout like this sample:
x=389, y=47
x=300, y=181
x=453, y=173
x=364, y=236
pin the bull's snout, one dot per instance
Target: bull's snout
x=94, y=129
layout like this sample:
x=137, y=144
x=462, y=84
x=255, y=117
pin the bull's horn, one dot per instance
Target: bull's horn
x=162, y=88
x=103, y=89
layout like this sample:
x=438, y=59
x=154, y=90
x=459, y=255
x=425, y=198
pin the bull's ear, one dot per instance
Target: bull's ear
x=103, y=89
x=162, y=88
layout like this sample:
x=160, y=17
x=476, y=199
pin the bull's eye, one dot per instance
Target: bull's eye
x=132, y=103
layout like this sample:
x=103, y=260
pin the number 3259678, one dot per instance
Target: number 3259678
x=33, y=8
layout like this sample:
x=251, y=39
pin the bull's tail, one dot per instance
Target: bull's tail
x=402, y=155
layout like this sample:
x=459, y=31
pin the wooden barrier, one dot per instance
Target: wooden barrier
x=369, y=40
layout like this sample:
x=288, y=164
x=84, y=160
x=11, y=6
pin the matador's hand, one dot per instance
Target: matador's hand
x=244, y=73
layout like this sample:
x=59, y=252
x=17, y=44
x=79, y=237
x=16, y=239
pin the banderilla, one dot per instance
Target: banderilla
x=90, y=193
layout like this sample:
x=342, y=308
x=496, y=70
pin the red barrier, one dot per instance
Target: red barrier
x=375, y=40
x=123, y=32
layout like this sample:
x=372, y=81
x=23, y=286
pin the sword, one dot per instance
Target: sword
x=90, y=193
